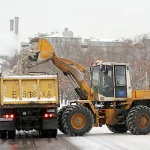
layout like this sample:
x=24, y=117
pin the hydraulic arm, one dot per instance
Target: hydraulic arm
x=69, y=68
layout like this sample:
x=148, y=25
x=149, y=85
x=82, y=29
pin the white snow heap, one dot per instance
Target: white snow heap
x=22, y=66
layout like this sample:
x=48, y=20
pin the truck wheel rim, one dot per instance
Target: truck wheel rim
x=143, y=120
x=78, y=121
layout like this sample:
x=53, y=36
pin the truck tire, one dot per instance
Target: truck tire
x=118, y=128
x=138, y=120
x=48, y=133
x=43, y=133
x=11, y=134
x=3, y=134
x=77, y=120
x=60, y=115
x=52, y=133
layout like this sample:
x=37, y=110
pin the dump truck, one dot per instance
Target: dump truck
x=28, y=103
x=109, y=100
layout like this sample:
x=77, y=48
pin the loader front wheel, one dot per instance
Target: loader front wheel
x=60, y=116
x=77, y=120
x=138, y=120
x=118, y=128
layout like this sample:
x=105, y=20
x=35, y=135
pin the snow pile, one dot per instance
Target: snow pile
x=22, y=66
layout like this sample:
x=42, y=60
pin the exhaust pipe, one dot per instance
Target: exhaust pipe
x=11, y=24
x=16, y=25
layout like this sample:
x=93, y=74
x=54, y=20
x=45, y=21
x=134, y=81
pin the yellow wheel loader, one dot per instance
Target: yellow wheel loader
x=109, y=100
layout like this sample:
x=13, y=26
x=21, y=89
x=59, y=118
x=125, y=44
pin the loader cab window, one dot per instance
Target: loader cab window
x=102, y=80
x=120, y=76
x=120, y=82
x=95, y=78
x=106, y=81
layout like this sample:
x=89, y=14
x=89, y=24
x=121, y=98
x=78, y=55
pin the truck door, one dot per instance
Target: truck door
x=120, y=82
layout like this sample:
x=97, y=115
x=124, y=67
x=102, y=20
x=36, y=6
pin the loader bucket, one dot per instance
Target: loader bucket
x=45, y=48
x=44, y=53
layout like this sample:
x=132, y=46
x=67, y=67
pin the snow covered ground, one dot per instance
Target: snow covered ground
x=100, y=138
x=97, y=139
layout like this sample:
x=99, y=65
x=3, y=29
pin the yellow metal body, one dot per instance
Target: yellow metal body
x=67, y=66
x=141, y=94
x=29, y=89
x=102, y=116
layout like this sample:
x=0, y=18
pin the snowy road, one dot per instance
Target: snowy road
x=97, y=139
x=103, y=139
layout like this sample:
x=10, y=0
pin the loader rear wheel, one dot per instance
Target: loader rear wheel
x=118, y=128
x=60, y=115
x=77, y=120
x=138, y=120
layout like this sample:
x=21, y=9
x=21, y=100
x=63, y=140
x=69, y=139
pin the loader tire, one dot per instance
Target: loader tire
x=118, y=128
x=77, y=120
x=138, y=120
x=60, y=115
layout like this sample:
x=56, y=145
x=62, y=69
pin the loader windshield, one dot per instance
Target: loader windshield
x=102, y=80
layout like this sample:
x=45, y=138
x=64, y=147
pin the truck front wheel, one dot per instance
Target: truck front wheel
x=138, y=120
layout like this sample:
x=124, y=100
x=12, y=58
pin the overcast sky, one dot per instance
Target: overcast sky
x=103, y=19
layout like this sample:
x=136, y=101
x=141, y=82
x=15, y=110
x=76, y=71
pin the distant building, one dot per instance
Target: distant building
x=4, y=57
x=66, y=37
x=102, y=43
x=24, y=44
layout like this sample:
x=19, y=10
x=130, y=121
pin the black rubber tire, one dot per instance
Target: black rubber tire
x=118, y=128
x=43, y=133
x=11, y=134
x=3, y=134
x=52, y=133
x=60, y=116
x=77, y=110
x=48, y=133
x=134, y=124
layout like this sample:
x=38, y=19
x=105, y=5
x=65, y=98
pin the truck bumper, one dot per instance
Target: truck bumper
x=7, y=125
x=50, y=123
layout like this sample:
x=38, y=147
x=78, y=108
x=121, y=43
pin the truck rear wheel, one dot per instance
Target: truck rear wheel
x=138, y=120
x=11, y=134
x=52, y=133
x=3, y=134
x=77, y=120
x=118, y=128
x=48, y=133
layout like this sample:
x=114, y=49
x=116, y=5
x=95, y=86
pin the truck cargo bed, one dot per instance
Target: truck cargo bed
x=20, y=90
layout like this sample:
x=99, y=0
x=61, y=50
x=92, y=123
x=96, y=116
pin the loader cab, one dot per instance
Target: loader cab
x=110, y=81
